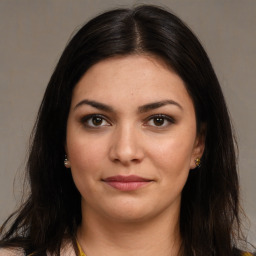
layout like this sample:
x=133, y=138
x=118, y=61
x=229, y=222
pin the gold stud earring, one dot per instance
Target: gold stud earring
x=66, y=162
x=198, y=162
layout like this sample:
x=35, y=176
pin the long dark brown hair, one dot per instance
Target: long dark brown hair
x=209, y=218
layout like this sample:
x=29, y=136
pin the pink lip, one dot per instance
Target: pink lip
x=126, y=183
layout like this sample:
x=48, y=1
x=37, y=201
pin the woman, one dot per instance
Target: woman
x=135, y=111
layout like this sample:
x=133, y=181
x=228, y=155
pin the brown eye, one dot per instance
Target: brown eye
x=97, y=121
x=158, y=121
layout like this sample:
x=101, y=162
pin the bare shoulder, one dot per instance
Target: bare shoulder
x=11, y=252
x=66, y=249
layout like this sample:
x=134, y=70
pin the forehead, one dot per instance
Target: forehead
x=133, y=79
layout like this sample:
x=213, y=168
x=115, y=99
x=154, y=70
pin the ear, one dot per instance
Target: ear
x=199, y=146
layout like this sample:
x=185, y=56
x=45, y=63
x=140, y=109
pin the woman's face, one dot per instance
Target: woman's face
x=131, y=138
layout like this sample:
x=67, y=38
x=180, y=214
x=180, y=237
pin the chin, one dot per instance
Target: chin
x=131, y=212
x=130, y=216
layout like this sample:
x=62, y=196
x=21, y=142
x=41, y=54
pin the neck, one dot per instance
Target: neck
x=100, y=235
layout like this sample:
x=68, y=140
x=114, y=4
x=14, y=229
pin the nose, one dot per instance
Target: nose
x=126, y=146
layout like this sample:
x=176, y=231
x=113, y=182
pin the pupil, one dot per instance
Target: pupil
x=158, y=121
x=97, y=120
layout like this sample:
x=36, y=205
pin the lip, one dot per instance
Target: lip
x=127, y=183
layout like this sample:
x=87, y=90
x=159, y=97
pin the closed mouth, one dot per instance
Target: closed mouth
x=126, y=183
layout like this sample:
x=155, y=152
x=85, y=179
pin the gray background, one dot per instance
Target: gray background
x=33, y=34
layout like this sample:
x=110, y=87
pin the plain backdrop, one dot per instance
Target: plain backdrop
x=33, y=33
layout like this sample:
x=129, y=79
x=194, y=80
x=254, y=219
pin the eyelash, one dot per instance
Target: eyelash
x=89, y=118
x=86, y=119
x=165, y=118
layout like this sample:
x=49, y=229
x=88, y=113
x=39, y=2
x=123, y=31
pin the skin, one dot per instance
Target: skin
x=131, y=139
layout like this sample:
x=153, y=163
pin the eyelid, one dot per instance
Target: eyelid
x=170, y=119
x=85, y=119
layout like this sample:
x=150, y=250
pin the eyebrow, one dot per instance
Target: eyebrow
x=95, y=104
x=141, y=109
x=158, y=104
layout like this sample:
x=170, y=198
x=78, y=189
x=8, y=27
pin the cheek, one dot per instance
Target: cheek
x=171, y=158
x=86, y=155
x=86, y=165
x=173, y=153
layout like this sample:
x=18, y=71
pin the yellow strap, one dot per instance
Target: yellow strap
x=81, y=253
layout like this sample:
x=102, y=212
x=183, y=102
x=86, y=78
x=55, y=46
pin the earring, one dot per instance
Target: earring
x=198, y=162
x=66, y=162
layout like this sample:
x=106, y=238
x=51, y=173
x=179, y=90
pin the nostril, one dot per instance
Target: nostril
x=127, y=161
x=136, y=160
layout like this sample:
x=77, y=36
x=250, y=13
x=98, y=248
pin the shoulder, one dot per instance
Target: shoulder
x=11, y=252
x=66, y=249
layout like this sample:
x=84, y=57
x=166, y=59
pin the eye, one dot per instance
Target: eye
x=95, y=121
x=160, y=121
